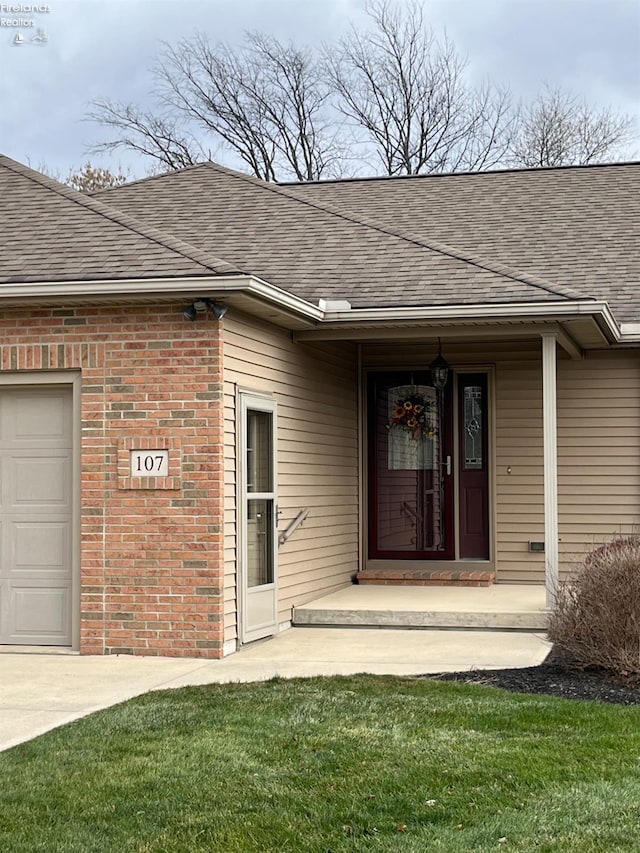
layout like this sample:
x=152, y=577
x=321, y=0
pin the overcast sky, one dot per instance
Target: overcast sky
x=105, y=48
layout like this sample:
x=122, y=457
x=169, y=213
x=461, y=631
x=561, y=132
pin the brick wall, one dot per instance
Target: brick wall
x=151, y=550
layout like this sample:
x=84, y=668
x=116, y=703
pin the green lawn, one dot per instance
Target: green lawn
x=329, y=764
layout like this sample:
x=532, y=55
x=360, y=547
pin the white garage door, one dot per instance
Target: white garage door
x=35, y=516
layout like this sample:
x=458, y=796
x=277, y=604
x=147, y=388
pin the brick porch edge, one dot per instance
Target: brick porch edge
x=424, y=577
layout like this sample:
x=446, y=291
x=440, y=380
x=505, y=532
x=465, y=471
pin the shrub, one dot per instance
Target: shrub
x=596, y=618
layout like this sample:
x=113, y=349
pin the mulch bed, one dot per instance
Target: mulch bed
x=555, y=676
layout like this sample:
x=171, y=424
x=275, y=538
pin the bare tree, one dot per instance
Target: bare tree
x=407, y=94
x=558, y=129
x=146, y=133
x=267, y=103
x=401, y=94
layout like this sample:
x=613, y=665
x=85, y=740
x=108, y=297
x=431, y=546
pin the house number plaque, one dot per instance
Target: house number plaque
x=149, y=463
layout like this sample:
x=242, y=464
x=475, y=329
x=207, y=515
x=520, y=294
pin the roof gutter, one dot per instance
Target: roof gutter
x=329, y=314
x=630, y=332
x=487, y=312
x=112, y=289
x=257, y=287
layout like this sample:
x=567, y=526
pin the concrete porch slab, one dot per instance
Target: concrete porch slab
x=502, y=606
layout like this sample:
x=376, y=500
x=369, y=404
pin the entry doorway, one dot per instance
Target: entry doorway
x=428, y=467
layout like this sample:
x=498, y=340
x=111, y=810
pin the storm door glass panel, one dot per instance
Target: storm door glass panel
x=473, y=479
x=260, y=543
x=259, y=456
x=260, y=498
x=408, y=494
x=473, y=428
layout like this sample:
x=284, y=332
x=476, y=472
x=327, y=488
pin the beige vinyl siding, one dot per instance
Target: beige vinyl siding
x=598, y=450
x=519, y=482
x=315, y=388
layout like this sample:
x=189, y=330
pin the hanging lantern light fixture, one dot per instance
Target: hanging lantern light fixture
x=439, y=369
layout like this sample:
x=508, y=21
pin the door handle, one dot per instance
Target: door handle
x=447, y=466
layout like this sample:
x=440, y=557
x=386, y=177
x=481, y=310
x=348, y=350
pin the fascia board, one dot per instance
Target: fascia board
x=110, y=287
x=630, y=333
x=18, y=293
x=483, y=313
x=465, y=312
x=252, y=285
x=261, y=289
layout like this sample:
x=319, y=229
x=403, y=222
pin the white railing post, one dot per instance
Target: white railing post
x=550, y=441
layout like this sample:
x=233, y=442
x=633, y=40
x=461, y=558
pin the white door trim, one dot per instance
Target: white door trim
x=258, y=605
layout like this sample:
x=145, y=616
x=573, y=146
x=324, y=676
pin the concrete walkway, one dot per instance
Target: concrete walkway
x=39, y=692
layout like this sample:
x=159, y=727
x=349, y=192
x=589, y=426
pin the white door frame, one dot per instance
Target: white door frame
x=258, y=604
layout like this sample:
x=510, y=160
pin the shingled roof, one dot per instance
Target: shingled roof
x=50, y=233
x=510, y=237
x=576, y=226
x=307, y=248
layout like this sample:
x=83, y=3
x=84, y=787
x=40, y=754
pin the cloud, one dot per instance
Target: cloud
x=105, y=48
x=589, y=46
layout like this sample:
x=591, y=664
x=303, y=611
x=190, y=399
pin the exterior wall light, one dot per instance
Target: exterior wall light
x=189, y=313
x=200, y=306
x=439, y=369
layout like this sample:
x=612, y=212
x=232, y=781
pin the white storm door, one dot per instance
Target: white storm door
x=258, y=519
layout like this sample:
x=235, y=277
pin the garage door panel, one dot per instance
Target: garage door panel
x=40, y=614
x=41, y=547
x=26, y=423
x=38, y=482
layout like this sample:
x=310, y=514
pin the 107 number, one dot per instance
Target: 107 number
x=149, y=463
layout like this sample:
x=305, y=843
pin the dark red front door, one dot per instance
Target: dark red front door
x=410, y=467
